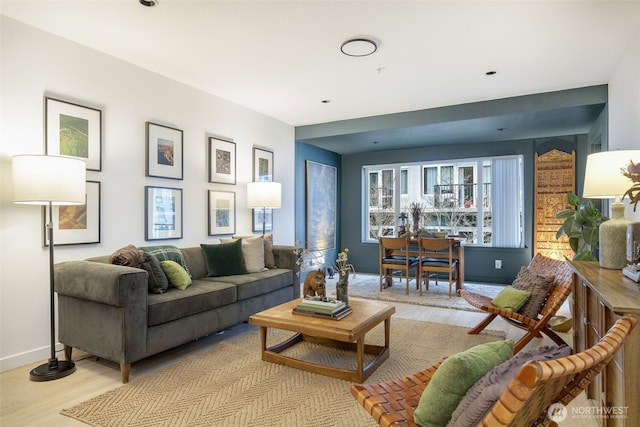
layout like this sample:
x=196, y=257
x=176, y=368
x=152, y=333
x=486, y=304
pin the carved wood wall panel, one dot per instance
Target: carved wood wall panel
x=554, y=178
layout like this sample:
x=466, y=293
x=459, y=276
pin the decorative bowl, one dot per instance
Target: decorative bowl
x=561, y=323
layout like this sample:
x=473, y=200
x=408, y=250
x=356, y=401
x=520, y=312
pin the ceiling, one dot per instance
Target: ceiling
x=283, y=58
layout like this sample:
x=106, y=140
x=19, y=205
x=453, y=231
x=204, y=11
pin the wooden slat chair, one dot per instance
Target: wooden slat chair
x=524, y=402
x=394, y=255
x=560, y=290
x=428, y=264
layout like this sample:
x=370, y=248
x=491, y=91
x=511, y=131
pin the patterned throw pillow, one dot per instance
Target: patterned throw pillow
x=167, y=253
x=538, y=285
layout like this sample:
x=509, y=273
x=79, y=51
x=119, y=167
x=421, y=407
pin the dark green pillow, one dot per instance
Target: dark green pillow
x=167, y=252
x=511, y=298
x=454, y=378
x=224, y=259
x=178, y=276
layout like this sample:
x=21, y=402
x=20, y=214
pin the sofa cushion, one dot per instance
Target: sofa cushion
x=224, y=259
x=128, y=255
x=539, y=286
x=194, y=257
x=254, y=284
x=454, y=377
x=178, y=276
x=167, y=252
x=158, y=281
x=252, y=252
x=203, y=295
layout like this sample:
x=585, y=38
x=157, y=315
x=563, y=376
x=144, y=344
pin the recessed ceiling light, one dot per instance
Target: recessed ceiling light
x=325, y=101
x=490, y=73
x=149, y=3
x=358, y=47
x=501, y=129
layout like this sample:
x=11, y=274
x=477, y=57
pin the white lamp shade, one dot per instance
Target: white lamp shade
x=264, y=194
x=40, y=180
x=602, y=177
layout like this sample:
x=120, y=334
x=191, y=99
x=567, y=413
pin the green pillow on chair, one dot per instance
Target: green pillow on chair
x=454, y=377
x=511, y=298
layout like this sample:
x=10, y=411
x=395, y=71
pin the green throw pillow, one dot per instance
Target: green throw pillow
x=178, y=276
x=511, y=298
x=454, y=377
x=224, y=259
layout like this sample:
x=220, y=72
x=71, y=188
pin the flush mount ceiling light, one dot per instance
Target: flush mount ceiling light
x=358, y=47
x=148, y=3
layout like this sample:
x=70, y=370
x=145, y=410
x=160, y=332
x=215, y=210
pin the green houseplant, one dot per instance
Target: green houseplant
x=581, y=225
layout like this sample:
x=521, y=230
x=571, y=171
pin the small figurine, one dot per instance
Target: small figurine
x=314, y=283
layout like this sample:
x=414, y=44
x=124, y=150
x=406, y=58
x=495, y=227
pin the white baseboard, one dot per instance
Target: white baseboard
x=30, y=357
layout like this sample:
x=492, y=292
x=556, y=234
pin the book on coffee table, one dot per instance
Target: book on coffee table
x=324, y=309
x=340, y=314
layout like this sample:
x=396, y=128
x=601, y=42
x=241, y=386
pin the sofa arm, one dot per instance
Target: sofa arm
x=103, y=283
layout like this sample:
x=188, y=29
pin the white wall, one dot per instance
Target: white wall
x=35, y=64
x=624, y=110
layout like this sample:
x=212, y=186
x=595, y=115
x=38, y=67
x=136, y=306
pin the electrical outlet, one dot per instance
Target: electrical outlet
x=498, y=264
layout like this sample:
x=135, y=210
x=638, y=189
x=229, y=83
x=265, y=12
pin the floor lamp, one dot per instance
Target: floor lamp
x=264, y=195
x=49, y=181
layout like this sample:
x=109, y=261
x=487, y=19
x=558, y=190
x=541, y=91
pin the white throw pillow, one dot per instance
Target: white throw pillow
x=252, y=251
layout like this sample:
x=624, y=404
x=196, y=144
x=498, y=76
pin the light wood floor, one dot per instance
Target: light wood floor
x=26, y=403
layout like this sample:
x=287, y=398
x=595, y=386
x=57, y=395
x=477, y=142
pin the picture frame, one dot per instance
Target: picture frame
x=164, y=152
x=75, y=224
x=163, y=213
x=222, y=161
x=222, y=212
x=262, y=171
x=73, y=130
x=262, y=164
x=257, y=220
x=321, y=190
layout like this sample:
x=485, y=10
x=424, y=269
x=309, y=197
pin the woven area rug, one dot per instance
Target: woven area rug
x=368, y=286
x=228, y=385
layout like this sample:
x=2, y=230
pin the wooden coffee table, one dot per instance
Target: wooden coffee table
x=347, y=333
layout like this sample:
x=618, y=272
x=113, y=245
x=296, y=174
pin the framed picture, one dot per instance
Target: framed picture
x=257, y=219
x=73, y=130
x=321, y=206
x=164, y=151
x=222, y=212
x=262, y=164
x=222, y=161
x=163, y=210
x=75, y=225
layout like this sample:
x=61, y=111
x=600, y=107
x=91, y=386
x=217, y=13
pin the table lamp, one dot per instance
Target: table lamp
x=264, y=195
x=603, y=180
x=49, y=181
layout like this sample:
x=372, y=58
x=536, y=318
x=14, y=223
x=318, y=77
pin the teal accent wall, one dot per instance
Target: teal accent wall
x=306, y=152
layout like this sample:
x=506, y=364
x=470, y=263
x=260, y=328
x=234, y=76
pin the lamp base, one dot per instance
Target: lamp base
x=52, y=371
x=613, y=237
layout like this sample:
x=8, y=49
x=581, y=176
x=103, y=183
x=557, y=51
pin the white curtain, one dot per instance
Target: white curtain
x=506, y=202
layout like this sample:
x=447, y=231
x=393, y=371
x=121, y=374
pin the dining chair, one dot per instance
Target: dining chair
x=394, y=256
x=436, y=256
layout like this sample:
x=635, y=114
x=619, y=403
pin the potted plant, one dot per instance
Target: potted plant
x=581, y=225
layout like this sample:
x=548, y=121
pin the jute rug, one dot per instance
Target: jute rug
x=368, y=286
x=228, y=385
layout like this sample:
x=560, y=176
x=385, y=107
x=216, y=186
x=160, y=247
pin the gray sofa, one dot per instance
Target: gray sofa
x=107, y=310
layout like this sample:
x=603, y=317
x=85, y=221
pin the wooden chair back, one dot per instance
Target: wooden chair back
x=394, y=255
x=527, y=398
x=436, y=255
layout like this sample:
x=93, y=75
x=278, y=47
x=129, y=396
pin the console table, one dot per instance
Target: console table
x=600, y=297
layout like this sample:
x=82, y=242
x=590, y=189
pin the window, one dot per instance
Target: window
x=461, y=197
